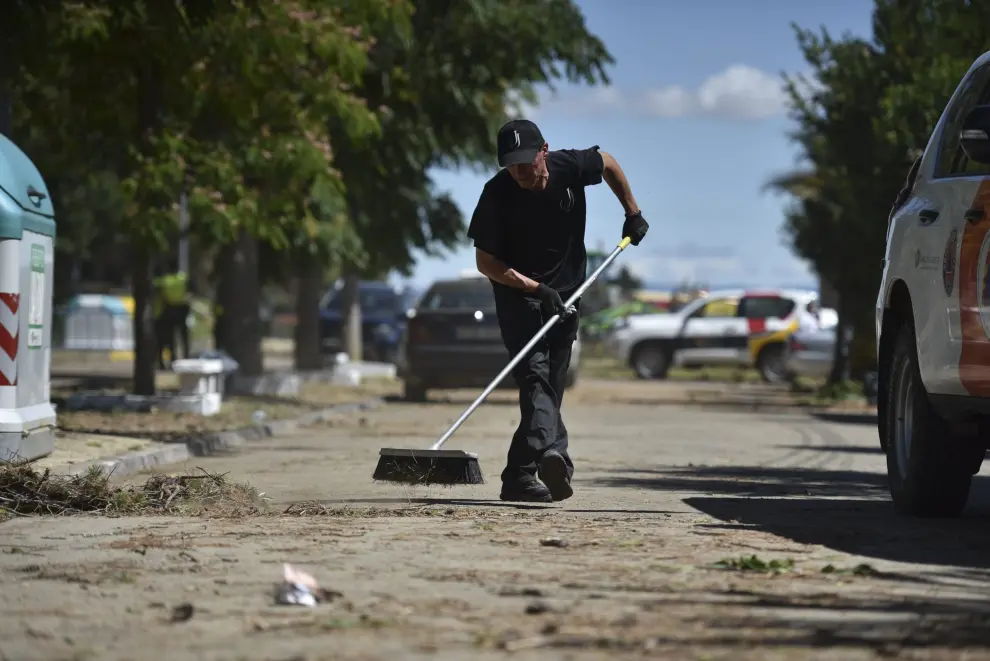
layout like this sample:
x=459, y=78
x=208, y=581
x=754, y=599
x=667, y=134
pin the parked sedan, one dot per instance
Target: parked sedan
x=811, y=353
x=452, y=340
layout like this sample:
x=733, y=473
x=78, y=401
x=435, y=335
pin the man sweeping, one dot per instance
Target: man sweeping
x=528, y=230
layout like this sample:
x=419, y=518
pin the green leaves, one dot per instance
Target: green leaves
x=226, y=100
x=860, y=125
x=439, y=85
x=313, y=124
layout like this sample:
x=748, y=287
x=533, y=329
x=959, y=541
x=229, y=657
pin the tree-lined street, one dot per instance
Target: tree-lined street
x=714, y=516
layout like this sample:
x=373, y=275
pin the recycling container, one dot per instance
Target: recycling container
x=27, y=238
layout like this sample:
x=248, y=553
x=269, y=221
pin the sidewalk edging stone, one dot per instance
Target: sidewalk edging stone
x=211, y=443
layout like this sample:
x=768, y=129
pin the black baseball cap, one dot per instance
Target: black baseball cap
x=519, y=141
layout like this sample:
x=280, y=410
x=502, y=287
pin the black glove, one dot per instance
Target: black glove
x=551, y=301
x=635, y=228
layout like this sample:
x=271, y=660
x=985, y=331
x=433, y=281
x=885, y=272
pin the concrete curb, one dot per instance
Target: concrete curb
x=211, y=443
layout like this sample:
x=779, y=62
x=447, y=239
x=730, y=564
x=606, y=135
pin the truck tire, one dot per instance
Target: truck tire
x=650, y=360
x=928, y=471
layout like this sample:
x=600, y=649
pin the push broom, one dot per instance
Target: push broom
x=450, y=467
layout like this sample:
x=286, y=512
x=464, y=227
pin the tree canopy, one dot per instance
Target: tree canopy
x=303, y=131
x=862, y=117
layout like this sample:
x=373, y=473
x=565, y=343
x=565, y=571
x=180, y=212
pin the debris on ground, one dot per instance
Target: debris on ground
x=300, y=589
x=554, y=541
x=859, y=570
x=25, y=491
x=182, y=613
x=537, y=608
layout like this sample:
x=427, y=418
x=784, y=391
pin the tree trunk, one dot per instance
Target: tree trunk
x=309, y=284
x=238, y=327
x=862, y=348
x=6, y=108
x=840, y=359
x=145, y=342
x=350, y=306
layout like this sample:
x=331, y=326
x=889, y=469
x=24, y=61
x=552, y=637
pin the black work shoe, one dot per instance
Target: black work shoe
x=553, y=472
x=526, y=492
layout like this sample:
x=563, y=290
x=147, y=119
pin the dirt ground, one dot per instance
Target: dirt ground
x=664, y=492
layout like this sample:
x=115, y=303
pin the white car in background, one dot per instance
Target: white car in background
x=736, y=328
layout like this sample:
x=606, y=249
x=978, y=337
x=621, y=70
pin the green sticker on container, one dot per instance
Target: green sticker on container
x=36, y=303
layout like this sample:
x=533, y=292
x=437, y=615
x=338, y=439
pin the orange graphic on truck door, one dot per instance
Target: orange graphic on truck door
x=974, y=300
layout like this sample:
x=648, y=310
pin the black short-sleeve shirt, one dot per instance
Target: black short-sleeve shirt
x=540, y=233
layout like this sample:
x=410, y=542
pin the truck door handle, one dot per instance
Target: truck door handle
x=928, y=216
x=974, y=215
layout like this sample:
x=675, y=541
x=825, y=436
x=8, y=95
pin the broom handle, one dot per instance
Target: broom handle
x=526, y=349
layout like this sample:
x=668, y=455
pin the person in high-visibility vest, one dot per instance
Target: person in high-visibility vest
x=171, y=312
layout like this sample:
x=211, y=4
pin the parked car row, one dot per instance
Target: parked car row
x=447, y=338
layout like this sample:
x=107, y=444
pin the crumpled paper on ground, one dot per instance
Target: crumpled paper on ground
x=300, y=589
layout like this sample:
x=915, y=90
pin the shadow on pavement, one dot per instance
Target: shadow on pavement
x=869, y=419
x=449, y=400
x=751, y=481
x=848, y=511
x=852, y=449
x=869, y=528
x=887, y=623
x=471, y=502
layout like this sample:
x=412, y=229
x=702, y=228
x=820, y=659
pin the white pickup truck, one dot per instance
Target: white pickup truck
x=933, y=312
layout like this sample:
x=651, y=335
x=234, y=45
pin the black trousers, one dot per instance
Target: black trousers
x=540, y=377
x=172, y=322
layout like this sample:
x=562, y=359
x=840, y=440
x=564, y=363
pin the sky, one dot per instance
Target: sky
x=696, y=117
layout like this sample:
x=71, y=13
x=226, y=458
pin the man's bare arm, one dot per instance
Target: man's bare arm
x=491, y=267
x=616, y=180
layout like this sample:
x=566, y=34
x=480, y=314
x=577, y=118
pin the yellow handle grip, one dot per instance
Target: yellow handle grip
x=625, y=243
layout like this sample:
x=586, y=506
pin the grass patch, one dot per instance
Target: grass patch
x=756, y=564
x=821, y=394
x=25, y=492
x=603, y=367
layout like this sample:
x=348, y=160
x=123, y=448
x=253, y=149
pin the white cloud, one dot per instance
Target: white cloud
x=740, y=92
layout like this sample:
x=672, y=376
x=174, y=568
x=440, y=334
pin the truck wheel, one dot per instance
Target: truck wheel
x=651, y=361
x=928, y=471
x=772, y=364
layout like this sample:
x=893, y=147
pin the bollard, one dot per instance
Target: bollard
x=27, y=238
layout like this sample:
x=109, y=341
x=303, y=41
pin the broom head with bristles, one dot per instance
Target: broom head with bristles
x=426, y=467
